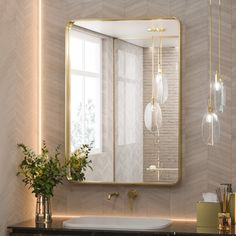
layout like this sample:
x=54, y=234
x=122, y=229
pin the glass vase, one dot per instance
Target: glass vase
x=43, y=212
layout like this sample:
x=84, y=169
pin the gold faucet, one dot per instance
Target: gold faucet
x=110, y=195
x=132, y=194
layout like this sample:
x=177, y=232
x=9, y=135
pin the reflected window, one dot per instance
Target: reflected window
x=85, y=83
x=127, y=87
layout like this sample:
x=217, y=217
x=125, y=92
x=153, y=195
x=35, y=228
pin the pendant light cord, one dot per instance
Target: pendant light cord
x=219, y=43
x=210, y=72
x=153, y=73
x=158, y=58
x=161, y=52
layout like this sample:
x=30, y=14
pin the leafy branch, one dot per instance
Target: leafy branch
x=79, y=162
x=42, y=172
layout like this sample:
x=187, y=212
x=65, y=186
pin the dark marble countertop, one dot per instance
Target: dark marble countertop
x=56, y=228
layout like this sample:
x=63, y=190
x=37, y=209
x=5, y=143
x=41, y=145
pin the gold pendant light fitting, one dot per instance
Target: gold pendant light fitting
x=210, y=68
x=156, y=29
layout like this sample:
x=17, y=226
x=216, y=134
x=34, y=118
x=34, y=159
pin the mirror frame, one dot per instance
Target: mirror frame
x=67, y=105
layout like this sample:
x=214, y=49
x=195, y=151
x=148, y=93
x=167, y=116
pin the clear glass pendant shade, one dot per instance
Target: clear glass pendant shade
x=161, y=88
x=219, y=94
x=153, y=117
x=210, y=128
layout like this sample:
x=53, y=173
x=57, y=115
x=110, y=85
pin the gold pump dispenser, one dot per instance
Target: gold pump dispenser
x=232, y=208
x=232, y=203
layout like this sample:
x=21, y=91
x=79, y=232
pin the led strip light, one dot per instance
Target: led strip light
x=39, y=82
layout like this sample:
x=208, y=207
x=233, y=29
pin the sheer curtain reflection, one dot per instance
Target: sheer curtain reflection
x=85, y=90
x=129, y=101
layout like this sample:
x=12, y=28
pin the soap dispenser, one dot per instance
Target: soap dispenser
x=232, y=204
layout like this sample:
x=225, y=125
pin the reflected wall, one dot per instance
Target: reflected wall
x=129, y=112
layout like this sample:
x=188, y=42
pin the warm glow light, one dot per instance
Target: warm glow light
x=209, y=118
x=39, y=74
x=185, y=220
x=66, y=216
x=216, y=85
x=173, y=219
x=219, y=93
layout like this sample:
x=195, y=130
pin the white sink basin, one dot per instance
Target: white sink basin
x=116, y=223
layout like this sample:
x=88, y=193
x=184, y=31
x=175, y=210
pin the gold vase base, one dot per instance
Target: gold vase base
x=224, y=222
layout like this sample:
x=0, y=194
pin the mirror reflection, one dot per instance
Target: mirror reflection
x=123, y=97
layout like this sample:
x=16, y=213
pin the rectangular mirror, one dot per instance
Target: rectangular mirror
x=123, y=95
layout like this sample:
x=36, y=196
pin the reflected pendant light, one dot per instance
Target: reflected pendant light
x=160, y=80
x=153, y=114
x=210, y=121
x=219, y=92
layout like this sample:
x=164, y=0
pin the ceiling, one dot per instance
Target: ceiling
x=135, y=31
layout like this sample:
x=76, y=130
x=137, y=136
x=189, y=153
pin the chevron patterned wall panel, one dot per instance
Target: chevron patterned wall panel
x=233, y=92
x=203, y=168
x=18, y=102
x=219, y=158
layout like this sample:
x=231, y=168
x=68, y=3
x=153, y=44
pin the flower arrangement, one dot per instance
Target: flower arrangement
x=79, y=162
x=42, y=172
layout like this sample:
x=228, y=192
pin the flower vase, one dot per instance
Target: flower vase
x=43, y=212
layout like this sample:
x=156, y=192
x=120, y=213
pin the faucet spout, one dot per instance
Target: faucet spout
x=132, y=194
x=110, y=195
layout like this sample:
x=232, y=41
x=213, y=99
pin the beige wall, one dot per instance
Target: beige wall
x=203, y=168
x=18, y=103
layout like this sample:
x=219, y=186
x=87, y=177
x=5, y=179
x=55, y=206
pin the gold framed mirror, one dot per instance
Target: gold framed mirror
x=123, y=98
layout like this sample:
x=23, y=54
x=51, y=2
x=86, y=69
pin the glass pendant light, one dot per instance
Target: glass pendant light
x=219, y=92
x=210, y=121
x=160, y=80
x=153, y=114
x=210, y=128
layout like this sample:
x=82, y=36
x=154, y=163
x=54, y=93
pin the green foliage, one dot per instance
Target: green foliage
x=41, y=172
x=79, y=162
